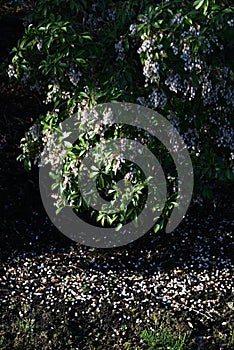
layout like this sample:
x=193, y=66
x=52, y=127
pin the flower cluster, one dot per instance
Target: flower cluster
x=177, y=20
x=147, y=44
x=173, y=81
x=151, y=71
x=74, y=76
x=11, y=71
x=132, y=29
x=174, y=48
x=111, y=14
x=35, y=130
x=53, y=89
x=119, y=49
x=157, y=99
x=187, y=57
x=54, y=151
x=193, y=31
x=26, y=75
x=189, y=89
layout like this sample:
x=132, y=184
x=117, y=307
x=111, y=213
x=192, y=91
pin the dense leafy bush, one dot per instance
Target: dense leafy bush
x=171, y=56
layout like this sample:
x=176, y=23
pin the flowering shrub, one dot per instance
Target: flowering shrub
x=182, y=51
x=171, y=56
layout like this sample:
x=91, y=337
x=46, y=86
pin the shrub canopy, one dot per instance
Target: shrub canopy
x=171, y=56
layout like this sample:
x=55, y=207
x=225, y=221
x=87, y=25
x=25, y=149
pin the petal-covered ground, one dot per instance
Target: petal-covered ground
x=57, y=294
x=94, y=299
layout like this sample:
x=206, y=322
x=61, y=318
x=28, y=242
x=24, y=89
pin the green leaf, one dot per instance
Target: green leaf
x=206, y=5
x=103, y=220
x=175, y=204
x=53, y=175
x=101, y=181
x=229, y=174
x=67, y=144
x=157, y=228
x=93, y=175
x=27, y=164
x=198, y=4
x=87, y=37
x=58, y=210
x=83, y=94
x=118, y=227
x=54, y=186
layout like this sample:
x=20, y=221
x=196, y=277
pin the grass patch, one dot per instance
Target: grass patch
x=163, y=338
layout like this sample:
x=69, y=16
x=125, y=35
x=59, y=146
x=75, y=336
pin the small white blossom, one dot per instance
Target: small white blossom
x=39, y=45
x=231, y=22
x=11, y=71
x=132, y=29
